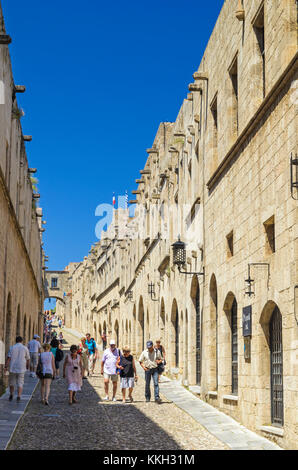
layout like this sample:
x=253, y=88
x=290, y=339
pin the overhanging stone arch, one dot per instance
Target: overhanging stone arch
x=57, y=289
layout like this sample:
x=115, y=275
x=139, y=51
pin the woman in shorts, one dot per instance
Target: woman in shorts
x=128, y=373
x=48, y=371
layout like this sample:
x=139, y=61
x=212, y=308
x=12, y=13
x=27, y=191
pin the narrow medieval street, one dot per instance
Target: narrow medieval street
x=93, y=424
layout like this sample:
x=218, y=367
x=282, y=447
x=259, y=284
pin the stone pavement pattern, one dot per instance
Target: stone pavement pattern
x=11, y=412
x=93, y=424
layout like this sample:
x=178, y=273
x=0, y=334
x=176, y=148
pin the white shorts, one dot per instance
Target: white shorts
x=127, y=382
x=113, y=377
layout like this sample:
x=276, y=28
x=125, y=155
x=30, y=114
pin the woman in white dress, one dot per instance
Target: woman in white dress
x=73, y=372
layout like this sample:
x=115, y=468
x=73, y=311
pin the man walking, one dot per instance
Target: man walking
x=92, y=353
x=108, y=369
x=151, y=357
x=18, y=358
x=34, y=347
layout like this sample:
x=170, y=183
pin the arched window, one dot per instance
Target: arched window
x=8, y=324
x=234, y=337
x=18, y=324
x=276, y=367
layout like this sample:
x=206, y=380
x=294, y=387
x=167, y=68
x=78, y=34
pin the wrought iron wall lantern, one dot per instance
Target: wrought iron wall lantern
x=294, y=175
x=179, y=257
x=250, y=281
x=151, y=291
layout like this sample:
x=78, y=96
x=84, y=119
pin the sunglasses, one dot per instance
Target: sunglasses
x=125, y=351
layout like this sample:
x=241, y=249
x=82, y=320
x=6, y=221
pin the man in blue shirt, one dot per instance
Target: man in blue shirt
x=92, y=350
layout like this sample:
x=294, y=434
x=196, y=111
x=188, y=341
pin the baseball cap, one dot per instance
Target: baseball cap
x=36, y=336
x=112, y=341
x=149, y=344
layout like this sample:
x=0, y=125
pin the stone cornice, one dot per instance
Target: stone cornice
x=108, y=289
x=147, y=253
x=233, y=153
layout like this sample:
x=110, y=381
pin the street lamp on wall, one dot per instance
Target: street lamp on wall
x=151, y=291
x=179, y=257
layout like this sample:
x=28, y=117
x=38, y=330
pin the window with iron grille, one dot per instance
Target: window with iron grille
x=234, y=335
x=198, y=337
x=177, y=338
x=276, y=366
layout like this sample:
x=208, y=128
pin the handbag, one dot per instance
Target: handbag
x=39, y=369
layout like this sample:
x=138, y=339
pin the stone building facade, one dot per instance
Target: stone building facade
x=21, y=254
x=219, y=177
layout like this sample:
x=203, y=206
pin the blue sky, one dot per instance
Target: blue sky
x=100, y=77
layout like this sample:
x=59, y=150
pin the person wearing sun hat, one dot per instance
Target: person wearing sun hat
x=108, y=368
x=149, y=360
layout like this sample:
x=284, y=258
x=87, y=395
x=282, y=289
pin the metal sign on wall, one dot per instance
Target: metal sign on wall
x=246, y=320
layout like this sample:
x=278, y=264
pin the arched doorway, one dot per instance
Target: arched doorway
x=18, y=323
x=162, y=334
x=174, y=339
x=195, y=296
x=140, y=327
x=116, y=329
x=104, y=332
x=185, y=368
x=25, y=329
x=213, y=335
x=8, y=324
x=126, y=333
x=29, y=331
x=134, y=325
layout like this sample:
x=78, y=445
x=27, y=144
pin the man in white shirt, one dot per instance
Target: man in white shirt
x=34, y=348
x=18, y=358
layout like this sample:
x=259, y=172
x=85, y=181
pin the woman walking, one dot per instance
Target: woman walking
x=47, y=372
x=84, y=351
x=73, y=372
x=128, y=373
x=162, y=351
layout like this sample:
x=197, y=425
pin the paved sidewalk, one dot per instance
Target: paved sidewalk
x=11, y=411
x=225, y=428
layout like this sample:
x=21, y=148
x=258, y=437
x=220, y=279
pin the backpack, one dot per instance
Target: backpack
x=59, y=355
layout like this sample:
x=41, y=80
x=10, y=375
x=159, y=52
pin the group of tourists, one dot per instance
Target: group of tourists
x=48, y=332
x=44, y=362
x=114, y=363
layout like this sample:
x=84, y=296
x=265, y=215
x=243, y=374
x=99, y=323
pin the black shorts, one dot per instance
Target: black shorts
x=47, y=376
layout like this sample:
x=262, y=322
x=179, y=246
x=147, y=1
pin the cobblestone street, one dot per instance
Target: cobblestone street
x=93, y=424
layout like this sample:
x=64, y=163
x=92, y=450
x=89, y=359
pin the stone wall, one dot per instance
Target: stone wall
x=21, y=283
